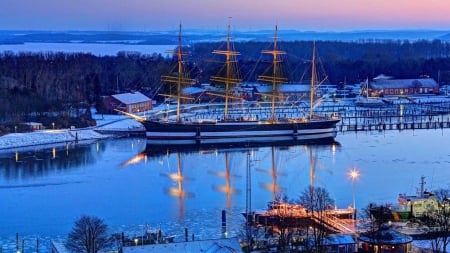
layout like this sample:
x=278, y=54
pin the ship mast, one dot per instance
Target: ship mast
x=181, y=79
x=313, y=81
x=274, y=79
x=230, y=71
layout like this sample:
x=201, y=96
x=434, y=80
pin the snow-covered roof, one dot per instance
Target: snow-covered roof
x=385, y=236
x=131, y=98
x=193, y=90
x=404, y=83
x=338, y=239
x=382, y=77
x=284, y=88
x=208, y=246
x=32, y=124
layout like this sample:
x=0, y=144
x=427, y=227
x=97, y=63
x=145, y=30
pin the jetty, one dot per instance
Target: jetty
x=294, y=216
x=396, y=114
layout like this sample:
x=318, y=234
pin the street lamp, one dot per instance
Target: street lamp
x=354, y=174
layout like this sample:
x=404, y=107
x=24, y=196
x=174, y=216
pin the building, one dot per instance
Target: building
x=33, y=126
x=216, y=245
x=385, y=240
x=128, y=102
x=383, y=85
x=335, y=243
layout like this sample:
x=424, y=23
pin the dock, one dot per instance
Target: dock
x=335, y=220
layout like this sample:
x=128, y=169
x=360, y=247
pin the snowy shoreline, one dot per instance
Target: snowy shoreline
x=43, y=137
x=108, y=123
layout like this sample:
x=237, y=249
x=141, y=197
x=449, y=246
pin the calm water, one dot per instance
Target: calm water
x=43, y=192
x=95, y=49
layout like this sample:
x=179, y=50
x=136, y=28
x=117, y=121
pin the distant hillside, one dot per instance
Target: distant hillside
x=192, y=36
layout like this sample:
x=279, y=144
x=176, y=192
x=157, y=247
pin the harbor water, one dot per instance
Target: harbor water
x=134, y=188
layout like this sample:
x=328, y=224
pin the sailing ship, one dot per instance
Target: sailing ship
x=245, y=128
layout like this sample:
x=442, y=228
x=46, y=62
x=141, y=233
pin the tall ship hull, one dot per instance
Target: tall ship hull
x=238, y=131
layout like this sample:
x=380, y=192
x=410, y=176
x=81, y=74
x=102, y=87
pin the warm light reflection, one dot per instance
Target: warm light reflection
x=17, y=156
x=54, y=152
x=176, y=176
x=178, y=191
x=136, y=159
x=273, y=186
x=227, y=188
x=333, y=152
x=67, y=149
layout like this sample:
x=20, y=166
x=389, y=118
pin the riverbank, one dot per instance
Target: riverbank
x=107, y=126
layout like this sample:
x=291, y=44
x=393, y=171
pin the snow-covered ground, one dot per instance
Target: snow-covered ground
x=115, y=123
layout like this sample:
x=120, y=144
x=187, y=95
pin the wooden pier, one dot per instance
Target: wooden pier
x=395, y=117
x=398, y=115
x=336, y=220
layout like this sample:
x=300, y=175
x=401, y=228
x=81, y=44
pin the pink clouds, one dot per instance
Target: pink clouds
x=255, y=14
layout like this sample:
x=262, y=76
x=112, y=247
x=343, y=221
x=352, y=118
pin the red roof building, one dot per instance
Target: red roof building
x=386, y=86
x=128, y=102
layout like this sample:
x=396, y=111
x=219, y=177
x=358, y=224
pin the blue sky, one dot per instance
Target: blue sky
x=146, y=15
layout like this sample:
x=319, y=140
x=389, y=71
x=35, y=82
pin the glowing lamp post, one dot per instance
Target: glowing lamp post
x=354, y=174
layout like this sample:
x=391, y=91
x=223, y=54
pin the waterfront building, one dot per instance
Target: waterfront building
x=382, y=85
x=131, y=102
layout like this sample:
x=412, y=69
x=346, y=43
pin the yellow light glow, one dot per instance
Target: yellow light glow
x=354, y=174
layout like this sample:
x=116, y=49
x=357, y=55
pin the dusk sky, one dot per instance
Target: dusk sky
x=147, y=15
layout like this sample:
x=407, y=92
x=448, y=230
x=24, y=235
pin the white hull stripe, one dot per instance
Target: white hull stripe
x=162, y=135
x=238, y=139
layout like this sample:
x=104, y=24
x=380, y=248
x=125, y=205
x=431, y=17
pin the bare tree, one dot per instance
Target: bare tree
x=373, y=225
x=316, y=200
x=89, y=235
x=439, y=221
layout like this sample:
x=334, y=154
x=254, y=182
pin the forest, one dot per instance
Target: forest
x=59, y=87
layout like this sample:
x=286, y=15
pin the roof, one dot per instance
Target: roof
x=382, y=77
x=193, y=90
x=403, y=83
x=338, y=239
x=284, y=88
x=131, y=98
x=385, y=236
x=32, y=124
x=58, y=247
x=224, y=245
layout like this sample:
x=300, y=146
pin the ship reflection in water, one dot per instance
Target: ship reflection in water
x=268, y=160
x=129, y=183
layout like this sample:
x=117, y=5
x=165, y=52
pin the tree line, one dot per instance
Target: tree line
x=38, y=86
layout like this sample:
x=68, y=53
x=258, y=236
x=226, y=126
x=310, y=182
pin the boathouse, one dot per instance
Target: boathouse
x=132, y=102
x=383, y=85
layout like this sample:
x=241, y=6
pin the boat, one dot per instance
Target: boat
x=234, y=128
x=408, y=206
